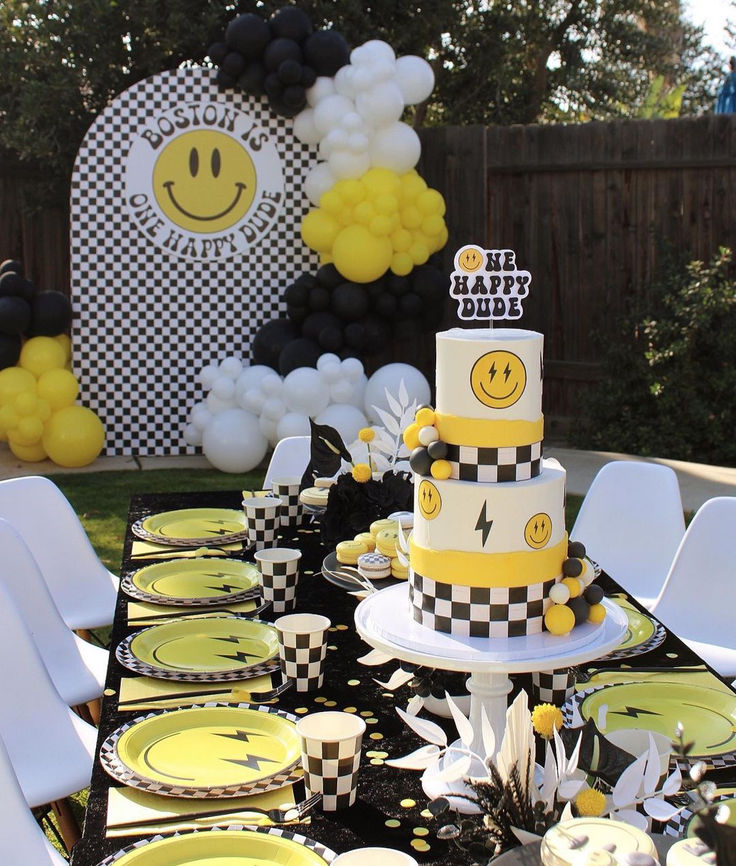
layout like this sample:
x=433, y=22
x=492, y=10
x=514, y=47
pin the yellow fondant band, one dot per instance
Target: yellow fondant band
x=520, y=568
x=482, y=433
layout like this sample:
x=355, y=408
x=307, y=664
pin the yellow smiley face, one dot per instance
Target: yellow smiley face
x=430, y=501
x=470, y=259
x=498, y=379
x=538, y=530
x=204, y=181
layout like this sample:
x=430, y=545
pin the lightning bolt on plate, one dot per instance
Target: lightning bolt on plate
x=196, y=582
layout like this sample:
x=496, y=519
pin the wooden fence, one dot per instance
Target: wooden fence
x=586, y=208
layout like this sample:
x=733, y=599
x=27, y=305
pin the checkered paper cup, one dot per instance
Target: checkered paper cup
x=553, y=687
x=279, y=567
x=302, y=648
x=331, y=756
x=262, y=517
x=287, y=490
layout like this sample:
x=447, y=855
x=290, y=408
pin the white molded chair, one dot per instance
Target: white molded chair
x=698, y=599
x=52, y=750
x=21, y=839
x=77, y=667
x=631, y=523
x=83, y=590
x=290, y=458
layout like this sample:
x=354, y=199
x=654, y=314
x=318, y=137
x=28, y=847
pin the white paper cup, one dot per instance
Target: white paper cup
x=279, y=567
x=331, y=756
x=286, y=488
x=262, y=517
x=374, y=857
x=302, y=648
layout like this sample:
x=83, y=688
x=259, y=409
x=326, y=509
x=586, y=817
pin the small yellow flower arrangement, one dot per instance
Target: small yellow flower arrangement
x=546, y=719
x=366, y=434
x=362, y=473
x=590, y=803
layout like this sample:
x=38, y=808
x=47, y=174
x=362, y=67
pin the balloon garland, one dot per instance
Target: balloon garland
x=375, y=222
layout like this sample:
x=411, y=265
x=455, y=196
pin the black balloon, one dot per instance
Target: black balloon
x=12, y=284
x=11, y=265
x=306, y=279
x=429, y=283
x=9, y=350
x=330, y=338
x=377, y=333
x=233, y=64
x=249, y=34
x=396, y=284
x=298, y=353
x=326, y=51
x=386, y=305
x=278, y=106
x=51, y=314
x=216, y=52
x=223, y=80
x=295, y=97
x=355, y=335
x=273, y=86
x=411, y=304
x=252, y=77
x=350, y=302
x=315, y=322
x=291, y=23
x=437, y=449
x=406, y=329
x=297, y=293
x=420, y=461
x=290, y=72
x=269, y=340
x=308, y=77
x=319, y=299
x=280, y=50
x=15, y=315
x=296, y=313
x=329, y=277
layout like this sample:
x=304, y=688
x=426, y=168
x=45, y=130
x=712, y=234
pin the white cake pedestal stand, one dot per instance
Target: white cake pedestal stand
x=385, y=622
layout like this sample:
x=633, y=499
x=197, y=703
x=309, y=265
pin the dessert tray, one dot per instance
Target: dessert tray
x=193, y=527
x=196, y=582
x=347, y=577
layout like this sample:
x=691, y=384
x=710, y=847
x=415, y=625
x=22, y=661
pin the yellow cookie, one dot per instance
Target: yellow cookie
x=324, y=482
x=386, y=541
x=349, y=551
x=398, y=570
x=315, y=496
x=379, y=525
x=367, y=539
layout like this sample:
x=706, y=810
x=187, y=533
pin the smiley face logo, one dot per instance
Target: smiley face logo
x=498, y=379
x=470, y=259
x=204, y=181
x=430, y=501
x=538, y=530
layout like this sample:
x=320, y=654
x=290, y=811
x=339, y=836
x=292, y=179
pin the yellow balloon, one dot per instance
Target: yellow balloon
x=58, y=388
x=40, y=354
x=401, y=240
x=73, y=436
x=319, y=230
x=419, y=252
x=43, y=409
x=26, y=403
x=361, y=256
x=8, y=418
x=13, y=381
x=431, y=202
x=331, y=201
x=29, y=453
x=381, y=181
x=401, y=264
x=364, y=212
x=380, y=225
x=65, y=341
x=28, y=431
x=352, y=191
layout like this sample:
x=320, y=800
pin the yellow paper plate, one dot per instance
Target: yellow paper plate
x=226, y=748
x=224, y=848
x=201, y=647
x=193, y=581
x=193, y=524
x=643, y=634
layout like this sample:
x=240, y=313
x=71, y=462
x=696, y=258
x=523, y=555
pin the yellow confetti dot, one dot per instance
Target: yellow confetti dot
x=366, y=713
x=353, y=682
x=330, y=703
x=376, y=736
x=332, y=628
x=350, y=710
x=420, y=845
x=320, y=700
x=342, y=627
x=109, y=692
x=387, y=695
x=671, y=655
x=380, y=755
x=371, y=721
x=331, y=647
x=377, y=762
x=408, y=803
x=308, y=572
x=425, y=813
x=392, y=822
x=301, y=710
x=420, y=831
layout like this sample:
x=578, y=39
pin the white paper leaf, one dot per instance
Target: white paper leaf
x=566, y=812
x=487, y=733
x=360, y=593
x=572, y=763
x=403, y=395
x=550, y=778
x=569, y=790
x=560, y=757
x=383, y=447
x=454, y=770
x=631, y=816
x=629, y=783
x=524, y=836
x=651, y=773
x=379, y=462
x=660, y=809
x=464, y=728
x=418, y=760
x=389, y=422
x=393, y=403
x=601, y=720
x=397, y=679
x=427, y=730
x=415, y=705
x=407, y=417
x=672, y=783
x=402, y=558
x=375, y=657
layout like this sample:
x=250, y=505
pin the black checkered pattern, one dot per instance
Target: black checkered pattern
x=263, y=527
x=291, y=510
x=146, y=320
x=332, y=770
x=553, y=687
x=302, y=658
x=278, y=581
x=516, y=463
x=474, y=611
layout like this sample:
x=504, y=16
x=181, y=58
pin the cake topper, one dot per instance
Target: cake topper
x=487, y=285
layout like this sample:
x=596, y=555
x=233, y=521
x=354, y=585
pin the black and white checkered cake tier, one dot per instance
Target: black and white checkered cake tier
x=474, y=611
x=514, y=463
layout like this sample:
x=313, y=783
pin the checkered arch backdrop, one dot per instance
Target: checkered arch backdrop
x=145, y=320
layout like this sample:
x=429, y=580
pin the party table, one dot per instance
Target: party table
x=391, y=809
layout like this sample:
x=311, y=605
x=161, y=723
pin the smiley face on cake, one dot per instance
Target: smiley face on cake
x=498, y=379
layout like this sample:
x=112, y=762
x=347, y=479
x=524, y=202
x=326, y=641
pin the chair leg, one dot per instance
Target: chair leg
x=95, y=708
x=68, y=826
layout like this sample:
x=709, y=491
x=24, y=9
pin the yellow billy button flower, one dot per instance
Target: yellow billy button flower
x=546, y=719
x=590, y=803
x=362, y=473
x=367, y=434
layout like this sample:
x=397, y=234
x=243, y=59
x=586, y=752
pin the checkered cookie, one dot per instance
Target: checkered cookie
x=332, y=770
x=476, y=611
x=278, y=582
x=515, y=463
x=553, y=687
x=302, y=658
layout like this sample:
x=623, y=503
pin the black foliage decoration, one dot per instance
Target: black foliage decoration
x=326, y=453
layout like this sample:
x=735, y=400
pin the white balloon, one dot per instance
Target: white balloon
x=208, y=374
x=341, y=392
x=352, y=122
x=273, y=408
x=231, y=367
x=358, y=142
x=390, y=376
x=362, y=79
x=252, y=400
x=344, y=81
x=305, y=391
x=373, y=50
x=326, y=359
x=268, y=426
x=352, y=369
x=271, y=385
x=322, y=87
x=251, y=377
x=346, y=164
x=200, y=417
x=216, y=404
x=224, y=388
x=328, y=112
x=293, y=424
x=414, y=77
x=192, y=435
x=336, y=139
x=331, y=372
x=347, y=420
x=380, y=106
x=396, y=147
x=317, y=182
x=233, y=441
x=304, y=128
x=358, y=394
x=383, y=70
